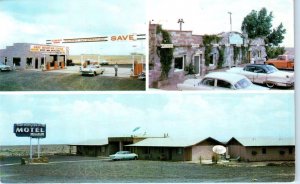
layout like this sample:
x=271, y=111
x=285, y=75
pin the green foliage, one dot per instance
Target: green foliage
x=221, y=56
x=276, y=36
x=208, y=40
x=259, y=24
x=244, y=54
x=190, y=68
x=236, y=51
x=166, y=54
x=273, y=52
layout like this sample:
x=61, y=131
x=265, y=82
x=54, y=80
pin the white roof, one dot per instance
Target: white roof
x=100, y=142
x=266, y=141
x=230, y=77
x=167, y=142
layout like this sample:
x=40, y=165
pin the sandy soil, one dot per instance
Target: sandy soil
x=91, y=169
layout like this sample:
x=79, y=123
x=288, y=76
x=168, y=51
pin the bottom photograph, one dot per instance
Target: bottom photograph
x=147, y=138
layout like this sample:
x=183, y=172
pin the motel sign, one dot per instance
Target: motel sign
x=33, y=130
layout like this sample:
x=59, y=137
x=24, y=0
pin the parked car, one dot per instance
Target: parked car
x=282, y=62
x=4, y=67
x=92, y=70
x=103, y=62
x=142, y=76
x=220, y=81
x=265, y=74
x=124, y=155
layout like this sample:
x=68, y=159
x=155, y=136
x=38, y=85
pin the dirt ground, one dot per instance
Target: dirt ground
x=68, y=80
x=72, y=169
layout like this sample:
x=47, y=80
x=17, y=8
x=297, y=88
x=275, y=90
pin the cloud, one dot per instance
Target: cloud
x=180, y=115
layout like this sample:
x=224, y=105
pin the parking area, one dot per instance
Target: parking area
x=68, y=80
x=75, y=169
x=173, y=87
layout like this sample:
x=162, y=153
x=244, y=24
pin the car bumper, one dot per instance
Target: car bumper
x=5, y=69
x=288, y=84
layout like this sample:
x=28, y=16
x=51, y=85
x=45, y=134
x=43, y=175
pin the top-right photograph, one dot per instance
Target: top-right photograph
x=221, y=45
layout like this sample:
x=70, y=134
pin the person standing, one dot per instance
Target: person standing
x=116, y=70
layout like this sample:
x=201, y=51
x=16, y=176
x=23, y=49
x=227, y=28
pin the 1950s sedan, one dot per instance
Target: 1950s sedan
x=220, y=81
x=92, y=70
x=124, y=155
x=265, y=74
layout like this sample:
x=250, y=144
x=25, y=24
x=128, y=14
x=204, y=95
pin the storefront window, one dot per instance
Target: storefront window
x=17, y=61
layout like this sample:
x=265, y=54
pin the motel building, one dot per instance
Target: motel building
x=34, y=56
x=178, y=149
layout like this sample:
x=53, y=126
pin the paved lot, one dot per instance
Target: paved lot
x=90, y=169
x=68, y=80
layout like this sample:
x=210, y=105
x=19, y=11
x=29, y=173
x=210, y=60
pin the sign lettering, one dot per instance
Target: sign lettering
x=166, y=46
x=33, y=130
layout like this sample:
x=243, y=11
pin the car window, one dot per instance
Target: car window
x=223, y=84
x=259, y=70
x=270, y=69
x=243, y=83
x=208, y=82
x=250, y=68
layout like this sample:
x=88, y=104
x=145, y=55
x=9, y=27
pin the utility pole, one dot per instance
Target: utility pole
x=180, y=21
x=230, y=21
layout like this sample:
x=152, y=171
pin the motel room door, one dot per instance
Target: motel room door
x=197, y=64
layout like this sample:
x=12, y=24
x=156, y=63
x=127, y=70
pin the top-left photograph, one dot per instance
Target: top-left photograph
x=63, y=45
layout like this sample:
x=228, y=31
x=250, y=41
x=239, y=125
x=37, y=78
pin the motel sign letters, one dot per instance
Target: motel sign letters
x=33, y=130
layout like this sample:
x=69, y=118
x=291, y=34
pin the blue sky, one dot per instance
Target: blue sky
x=72, y=118
x=211, y=16
x=37, y=21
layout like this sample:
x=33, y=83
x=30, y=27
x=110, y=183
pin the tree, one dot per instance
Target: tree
x=259, y=24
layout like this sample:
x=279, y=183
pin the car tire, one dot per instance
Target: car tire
x=135, y=158
x=270, y=84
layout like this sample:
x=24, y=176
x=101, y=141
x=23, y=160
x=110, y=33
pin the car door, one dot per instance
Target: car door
x=261, y=75
x=207, y=84
x=249, y=73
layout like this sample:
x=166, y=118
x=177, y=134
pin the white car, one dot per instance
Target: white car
x=265, y=74
x=4, y=67
x=220, y=81
x=124, y=155
x=92, y=70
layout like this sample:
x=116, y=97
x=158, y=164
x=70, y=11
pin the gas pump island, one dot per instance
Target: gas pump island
x=32, y=130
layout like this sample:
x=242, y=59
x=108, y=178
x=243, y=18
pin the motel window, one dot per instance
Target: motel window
x=264, y=151
x=161, y=150
x=146, y=151
x=179, y=63
x=102, y=149
x=17, y=61
x=291, y=150
x=179, y=151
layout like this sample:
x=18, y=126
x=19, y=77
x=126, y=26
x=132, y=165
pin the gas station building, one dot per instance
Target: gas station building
x=34, y=56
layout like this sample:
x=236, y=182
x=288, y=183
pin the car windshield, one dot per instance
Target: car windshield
x=243, y=83
x=271, y=69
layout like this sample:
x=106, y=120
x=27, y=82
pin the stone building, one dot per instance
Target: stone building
x=229, y=49
x=237, y=49
x=188, y=52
